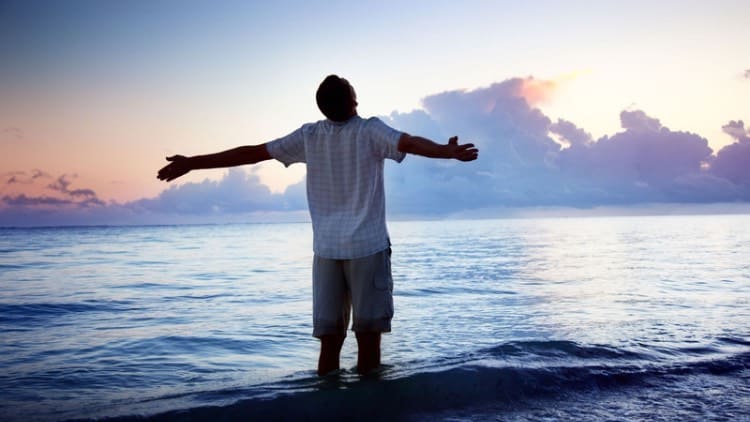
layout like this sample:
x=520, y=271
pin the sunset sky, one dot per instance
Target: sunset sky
x=94, y=95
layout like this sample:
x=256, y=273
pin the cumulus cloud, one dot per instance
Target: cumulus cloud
x=736, y=129
x=733, y=161
x=517, y=154
x=641, y=164
x=638, y=121
x=237, y=192
x=238, y=196
x=570, y=133
x=522, y=163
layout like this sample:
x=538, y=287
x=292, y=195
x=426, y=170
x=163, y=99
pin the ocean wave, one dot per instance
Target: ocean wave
x=23, y=312
x=436, y=386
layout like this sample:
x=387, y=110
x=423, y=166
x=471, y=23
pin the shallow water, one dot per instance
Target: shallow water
x=608, y=318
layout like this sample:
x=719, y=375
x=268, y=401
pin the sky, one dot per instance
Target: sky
x=573, y=104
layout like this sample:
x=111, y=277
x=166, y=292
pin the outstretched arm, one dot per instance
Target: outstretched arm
x=427, y=148
x=181, y=165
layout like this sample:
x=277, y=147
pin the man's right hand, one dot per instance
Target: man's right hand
x=179, y=166
x=465, y=152
x=427, y=148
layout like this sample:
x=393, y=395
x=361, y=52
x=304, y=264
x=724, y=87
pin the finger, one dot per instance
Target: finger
x=172, y=158
x=453, y=140
x=469, y=155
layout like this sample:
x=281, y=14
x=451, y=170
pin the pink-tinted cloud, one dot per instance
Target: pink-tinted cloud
x=60, y=194
x=536, y=91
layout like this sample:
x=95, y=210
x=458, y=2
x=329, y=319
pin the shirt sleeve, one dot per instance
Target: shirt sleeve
x=288, y=149
x=385, y=140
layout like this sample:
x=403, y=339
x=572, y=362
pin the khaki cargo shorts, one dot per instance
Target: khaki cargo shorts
x=362, y=286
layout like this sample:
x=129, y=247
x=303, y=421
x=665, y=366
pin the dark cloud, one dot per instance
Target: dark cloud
x=736, y=129
x=33, y=201
x=12, y=133
x=733, y=161
x=24, y=201
x=63, y=196
x=13, y=177
x=25, y=178
x=85, y=197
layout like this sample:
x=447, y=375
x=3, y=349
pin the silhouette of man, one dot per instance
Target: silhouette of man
x=344, y=155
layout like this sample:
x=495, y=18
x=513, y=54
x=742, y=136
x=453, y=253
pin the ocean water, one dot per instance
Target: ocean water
x=606, y=318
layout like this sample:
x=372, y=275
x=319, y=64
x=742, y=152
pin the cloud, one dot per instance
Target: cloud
x=24, y=178
x=238, y=196
x=517, y=157
x=26, y=201
x=733, y=161
x=570, y=133
x=12, y=133
x=84, y=197
x=237, y=192
x=521, y=164
x=60, y=196
x=736, y=129
x=638, y=121
x=646, y=162
x=536, y=91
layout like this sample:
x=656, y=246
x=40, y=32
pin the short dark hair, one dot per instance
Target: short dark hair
x=335, y=98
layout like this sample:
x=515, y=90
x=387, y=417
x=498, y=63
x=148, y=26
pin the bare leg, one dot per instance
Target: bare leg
x=330, y=350
x=368, y=352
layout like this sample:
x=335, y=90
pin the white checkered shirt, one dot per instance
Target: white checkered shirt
x=345, y=191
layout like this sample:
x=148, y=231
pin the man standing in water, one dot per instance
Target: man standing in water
x=344, y=155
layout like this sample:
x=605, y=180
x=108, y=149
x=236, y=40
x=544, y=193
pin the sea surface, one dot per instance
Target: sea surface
x=591, y=318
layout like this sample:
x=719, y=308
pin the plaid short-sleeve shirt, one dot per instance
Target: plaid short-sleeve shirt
x=345, y=191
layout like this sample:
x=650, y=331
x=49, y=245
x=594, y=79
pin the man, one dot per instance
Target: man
x=344, y=155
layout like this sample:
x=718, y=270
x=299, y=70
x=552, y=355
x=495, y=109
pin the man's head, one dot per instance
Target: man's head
x=336, y=98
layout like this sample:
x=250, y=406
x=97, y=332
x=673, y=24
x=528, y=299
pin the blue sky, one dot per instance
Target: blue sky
x=94, y=94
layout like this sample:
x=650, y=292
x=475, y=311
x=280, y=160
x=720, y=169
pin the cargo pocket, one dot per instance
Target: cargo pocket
x=382, y=277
